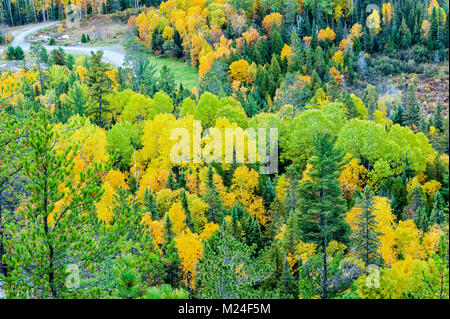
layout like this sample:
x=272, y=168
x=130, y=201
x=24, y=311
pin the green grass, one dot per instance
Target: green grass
x=183, y=72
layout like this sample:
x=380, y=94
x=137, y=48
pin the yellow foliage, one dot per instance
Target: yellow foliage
x=239, y=71
x=356, y=31
x=386, y=10
x=210, y=228
x=105, y=205
x=286, y=52
x=430, y=188
x=326, y=34
x=116, y=179
x=190, y=250
x=177, y=217
x=165, y=198
x=407, y=239
x=336, y=75
x=425, y=28
x=245, y=183
x=251, y=36
x=270, y=19
x=338, y=59
x=155, y=228
x=168, y=33
x=281, y=188
x=374, y=22
x=431, y=239
x=352, y=177
x=385, y=225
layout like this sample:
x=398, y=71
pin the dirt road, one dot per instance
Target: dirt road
x=113, y=55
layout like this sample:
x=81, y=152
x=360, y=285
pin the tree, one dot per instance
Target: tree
x=397, y=118
x=166, y=81
x=129, y=282
x=412, y=109
x=57, y=216
x=38, y=51
x=215, y=206
x=57, y=57
x=150, y=204
x=99, y=85
x=190, y=250
x=321, y=208
x=341, y=272
x=13, y=148
x=187, y=212
x=365, y=238
x=135, y=58
x=239, y=71
x=123, y=139
x=437, y=119
x=228, y=270
x=437, y=213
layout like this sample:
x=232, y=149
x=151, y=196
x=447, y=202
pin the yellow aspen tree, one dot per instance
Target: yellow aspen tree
x=239, y=71
x=190, y=250
x=177, y=217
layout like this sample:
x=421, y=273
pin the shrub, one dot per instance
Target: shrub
x=15, y=53
x=51, y=41
x=10, y=53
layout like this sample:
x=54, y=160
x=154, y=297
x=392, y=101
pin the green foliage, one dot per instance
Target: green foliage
x=60, y=231
x=227, y=270
x=99, y=85
x=15, y=53
x=124, y=139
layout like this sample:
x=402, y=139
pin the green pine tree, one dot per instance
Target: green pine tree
x=322, y=209
x=47, y=236
x=99, y=85
x=365, y=238
x=150, y=205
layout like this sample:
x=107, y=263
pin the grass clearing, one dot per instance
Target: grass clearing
x=183, y=72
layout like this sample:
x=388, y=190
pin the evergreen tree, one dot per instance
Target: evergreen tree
x=421, y=219
x=365, y=238
x=398, y=196
x=99, y=85
x=437, y=213
x=412, y=109
x=128, y=279
x=397, y=118
x=172, y=265
x=268, y=193
x=61, y=234
x=187, y=212
x=150, y=205
x=171, y=183
x=437, y=120
x=182, y=179
x=276, y=41
x=288, y=285
x=169, y=234
x=215, y=207
x=227, y=269
x=321, y=207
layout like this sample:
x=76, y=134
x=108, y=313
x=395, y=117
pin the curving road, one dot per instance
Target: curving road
x=110, y=55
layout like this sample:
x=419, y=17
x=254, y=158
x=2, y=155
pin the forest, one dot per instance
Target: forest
x=92, y=204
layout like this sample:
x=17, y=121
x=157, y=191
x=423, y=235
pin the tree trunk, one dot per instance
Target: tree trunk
x=325, y=266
